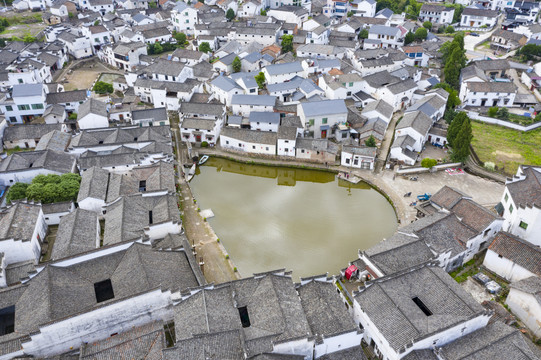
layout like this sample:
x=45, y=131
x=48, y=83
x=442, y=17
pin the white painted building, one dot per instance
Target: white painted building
x=245, y=104
x=501, y=94
x=23, y=103
x=436, y=14
x=249, y=141
x=318, y=117
x=360, y=157
x=524, y=302
x=476, y=18
x=279, y=73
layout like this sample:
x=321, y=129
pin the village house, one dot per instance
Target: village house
x=69, y=99
x=54, y=114
x=317, y=150
x=78, y=232
x=361, y=157
x=363, y=8
x=245, y=104
x=473, y=18
x=92, y=114
x=501, y=94
x=125, y=56
x=201, y=122
x=150, y=117
x=224, y=88
x=387, y=36
x=520, y=204
x=341, y=86
x=524, y=301
x=27, y=136
x=53, y=212
x=264, y=121
x=507, y=40
x=250, y=141
x=279, y=73
x=23, y=103
x=318, y=117
x=436, y=14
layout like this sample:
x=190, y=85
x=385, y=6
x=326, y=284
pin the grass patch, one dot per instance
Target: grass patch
x=17, y=149
x=506, y=148
x=339, y=286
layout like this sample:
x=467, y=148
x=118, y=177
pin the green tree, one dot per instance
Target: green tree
x=260, y=79
x=237, y=65
x=455, y=127
x=449, y=29
x=409, y=38
x=428, y=163
x=152, y=5
x=180, y=37
x=2, y=43
x=421, y=34
x=102, y=87
x=29, y=38
x=4, y=22
x=427, y=25
x=16, y=192
x=287, y=43
x=96, y=23
x=70, y=177
x=204, y=47
x=68, y=189
x=46, y=179
x=349, y=14
x=230, y=14
x=72, y=116
x=35, y=192
x=363, y=34
x=458, y=12
x=503, y=114
x=493, y=111
x=452, y=69
x=370, y=142
x=158, y=49
x=263, y=12
x=461, y=148
x=71, y=15
x=413, y=9
x=453, y=100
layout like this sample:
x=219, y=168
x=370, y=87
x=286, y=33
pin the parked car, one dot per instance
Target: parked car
x=474, y=34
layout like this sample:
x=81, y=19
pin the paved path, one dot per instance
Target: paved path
x=217, y=268
x=385, y=147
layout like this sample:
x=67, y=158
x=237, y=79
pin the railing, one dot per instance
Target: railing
x=476, y=116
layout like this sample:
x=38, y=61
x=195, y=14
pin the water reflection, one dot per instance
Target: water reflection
x=307, y=223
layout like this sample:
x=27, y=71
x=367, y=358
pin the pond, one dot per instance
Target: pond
x=303, y=220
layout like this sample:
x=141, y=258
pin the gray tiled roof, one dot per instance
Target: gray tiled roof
x=324, y=309
x=447, y=197
x=29, y=131
x=492, y=87
x=92, y=106
x=474, y=215
x=226, y=345
x=388, y=304
x=143, y=342
x=480, y=12
x=61, y=291
x=353, y=353
x=48, y=159
x=519, y=251
x=198, y=123
x=55, y=140
x=317, y=145
x=155, y=114
x=495, y=341
x=17, y=272
x=94, y=183
x=21, y=90
x=66, y=97
x=77, y=233
x=527, y=191
x=165, y=67
x=380, y=106
x=200, y=109
x=159, y=176
x=325, y=107
x=251, y=136
x=402, y=257
x=127, y=218
x=445, y=234
x=417, y=121
x=257, y=100
x=122, y=135
x=285, y=68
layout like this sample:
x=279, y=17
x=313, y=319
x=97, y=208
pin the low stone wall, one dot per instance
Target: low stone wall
x=420, y=170
x=475, y=116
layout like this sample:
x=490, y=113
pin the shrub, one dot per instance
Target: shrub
x=72, y=116
x=371, y=141
x=449, y=29
x=16, y=192
x=503, y=114
x=492, y=111
x=204, y=144
x=101, y=87
x=227, y=256
x=235, y=269
x=204, y=47
x=218, y=240
x=428, y=163
x=490, y=166
x=427, y=25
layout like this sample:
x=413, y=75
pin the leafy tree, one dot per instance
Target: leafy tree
x=102, y=87
x=452, y=69
x=71, y=15
x=427, y=25
x=152, y=5
x=180, y=37
x=458, y=12
x=410, y=37
x=503, y=114
x=70, y=177
x=453, y=100
x=263, y=12
x=449, y=115
x=449, y=29
x=370, y=142
x=455, y=127
x=158, y=49
x=421, y=34
x=16, y=192
x=96, y=23
x=287, y=43
x=493, y=111
x=237, y=65
x=46, y=179
x=413, y=9
x=260, y=79
x=29, y=38
x=349, y=14
x=204, y=47
x=35, y=192
x=72, y=116
x=363, y=34
x=529, y=52
x=2, y=43
x=4, y=22
x=230, y=14
x=428, y=163
x=461, y=148
x=69, y=189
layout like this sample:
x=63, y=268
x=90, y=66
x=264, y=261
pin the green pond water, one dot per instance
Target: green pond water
x=303, y=220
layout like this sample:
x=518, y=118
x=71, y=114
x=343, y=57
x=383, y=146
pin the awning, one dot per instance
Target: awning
x=324, y=127
x=350, y=270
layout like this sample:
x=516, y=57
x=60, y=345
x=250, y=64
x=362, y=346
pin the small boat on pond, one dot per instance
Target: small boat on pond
x=203, y=159
x=191, y=173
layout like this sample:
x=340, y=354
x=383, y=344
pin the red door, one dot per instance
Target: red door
x=323, y=134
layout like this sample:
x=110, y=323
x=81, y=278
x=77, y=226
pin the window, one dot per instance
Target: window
x=37, y=106
x=511, y=208
x=324, y=120
x=487, y=231
x=104, y=290
x=311, y=122
x=244, y=317
x=142, y=185
x=23, y=107
x=253, y=147
x=348, y=161
x=96, y=40
x=523, y=225
x=12, y=119
x=422, y=306
x=227, y=142
x=150, y=220
x=20, y=81
x=350, y=84
x=506, y=197
x=9, y=108
x=7, y=320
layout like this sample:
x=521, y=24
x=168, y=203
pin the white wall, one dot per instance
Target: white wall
x=526, y=307
x=505, y=267
x=286, y=147
x=92, y=204
x=239, y=145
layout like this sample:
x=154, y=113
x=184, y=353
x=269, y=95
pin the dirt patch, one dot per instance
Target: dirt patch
x=506, y=156
x=20, y=30
x=108, y=78
x=80, y=79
